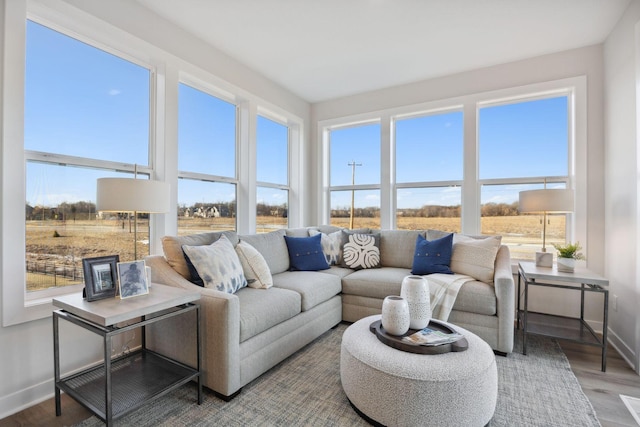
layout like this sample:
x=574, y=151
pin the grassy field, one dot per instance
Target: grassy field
x=85, y=239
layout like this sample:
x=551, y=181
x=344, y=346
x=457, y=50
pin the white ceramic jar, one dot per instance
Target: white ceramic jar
x=415, y=289
x=395, y=315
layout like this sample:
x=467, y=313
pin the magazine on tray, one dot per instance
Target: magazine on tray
x=432, y=337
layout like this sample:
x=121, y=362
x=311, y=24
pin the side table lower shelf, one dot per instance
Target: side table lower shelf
x=136, y=378
x=561, y=327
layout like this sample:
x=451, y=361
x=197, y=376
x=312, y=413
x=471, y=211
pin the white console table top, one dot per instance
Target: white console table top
x=109, y=311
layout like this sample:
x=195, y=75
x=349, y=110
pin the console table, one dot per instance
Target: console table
x=120, y=385
x=562, y=327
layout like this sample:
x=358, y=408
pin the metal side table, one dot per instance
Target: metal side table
x=562, y=327
x=118, y=386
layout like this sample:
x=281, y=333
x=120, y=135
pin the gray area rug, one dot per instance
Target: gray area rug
x=534, y=390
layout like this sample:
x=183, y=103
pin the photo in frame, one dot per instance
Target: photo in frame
x=132, y=279
x=100, y=277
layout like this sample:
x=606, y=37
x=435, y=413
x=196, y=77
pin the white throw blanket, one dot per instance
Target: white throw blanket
x=443, y=290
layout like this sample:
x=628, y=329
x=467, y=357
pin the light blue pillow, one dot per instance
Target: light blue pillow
x=432, y=256
x=217, y=265
x=305, y=253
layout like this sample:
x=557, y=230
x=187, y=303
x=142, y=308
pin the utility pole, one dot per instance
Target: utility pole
x=353, y=165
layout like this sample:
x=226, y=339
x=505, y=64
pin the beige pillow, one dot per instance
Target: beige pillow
x=475, y=257
x=254, y=266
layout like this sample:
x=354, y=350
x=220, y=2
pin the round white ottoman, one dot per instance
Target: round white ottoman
x=396, y=388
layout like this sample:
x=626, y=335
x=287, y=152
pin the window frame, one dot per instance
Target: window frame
x=326, y=160
x=18, y=305
x=215, y=92
x=574, y=87
x=423, y=184
x=266, y=114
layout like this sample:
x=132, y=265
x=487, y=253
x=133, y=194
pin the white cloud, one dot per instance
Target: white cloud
x=114, y=92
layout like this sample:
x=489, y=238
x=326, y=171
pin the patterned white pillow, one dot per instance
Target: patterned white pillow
x=254, y=266
x=331, y=245
x=218, y=265
x=360, y=251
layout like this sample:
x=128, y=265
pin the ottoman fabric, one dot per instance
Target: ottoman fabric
x=397, y=388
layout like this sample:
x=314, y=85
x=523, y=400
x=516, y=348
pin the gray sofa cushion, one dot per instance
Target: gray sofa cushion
x=398, y=246
x=476, y=297
x=261, y=309
x=297, y=232
x=336, y=270
x=272, y=247
x=315, y=287
x=375, y=283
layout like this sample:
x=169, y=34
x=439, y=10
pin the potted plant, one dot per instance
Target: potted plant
x=567, y=256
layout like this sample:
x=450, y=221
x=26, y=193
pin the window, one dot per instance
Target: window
x=459, y=164
x=272, y=175
x=429, y=164
x=355, y=176
x=522, y=145
x=87, y=116
x=206, y=162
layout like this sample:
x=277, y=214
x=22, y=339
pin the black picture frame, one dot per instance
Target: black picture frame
x=100, y=277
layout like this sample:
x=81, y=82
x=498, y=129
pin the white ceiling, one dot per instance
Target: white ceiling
x=325, y=49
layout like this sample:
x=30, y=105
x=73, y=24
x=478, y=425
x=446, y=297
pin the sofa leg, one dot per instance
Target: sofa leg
x=499, y=353
x=225, y=397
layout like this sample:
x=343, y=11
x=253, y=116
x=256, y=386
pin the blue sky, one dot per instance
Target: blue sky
x=83, y=102
x=525, y=139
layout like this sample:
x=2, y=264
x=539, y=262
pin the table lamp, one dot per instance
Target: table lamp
x=544, y=202
x=132, y=195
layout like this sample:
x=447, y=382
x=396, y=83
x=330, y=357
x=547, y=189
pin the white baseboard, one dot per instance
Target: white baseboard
x=30, y=396
x=23, y=399
x=626, y=352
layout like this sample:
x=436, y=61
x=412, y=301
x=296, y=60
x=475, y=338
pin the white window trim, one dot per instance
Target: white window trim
x=471, y=184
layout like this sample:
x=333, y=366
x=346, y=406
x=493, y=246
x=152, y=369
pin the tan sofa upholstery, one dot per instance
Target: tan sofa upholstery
x=247, y=333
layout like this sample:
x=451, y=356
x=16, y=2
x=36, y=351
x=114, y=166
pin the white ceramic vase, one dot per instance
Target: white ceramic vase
x=395, y=315
x=415, y=289
x=566, y=265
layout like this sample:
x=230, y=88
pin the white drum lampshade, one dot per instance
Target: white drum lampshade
x=544, y=202
x=132, y=195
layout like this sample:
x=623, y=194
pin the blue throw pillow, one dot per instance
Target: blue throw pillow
x=305, y=253
x=432, y=256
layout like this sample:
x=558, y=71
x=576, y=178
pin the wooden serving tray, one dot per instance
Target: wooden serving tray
x=396, y=342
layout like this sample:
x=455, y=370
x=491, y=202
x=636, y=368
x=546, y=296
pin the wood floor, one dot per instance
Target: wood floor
x=602, y=389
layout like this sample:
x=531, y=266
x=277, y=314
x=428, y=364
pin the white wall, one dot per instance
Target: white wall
x=621, y=59
x=26, y=349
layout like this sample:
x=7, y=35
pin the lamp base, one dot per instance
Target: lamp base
x=544, y=259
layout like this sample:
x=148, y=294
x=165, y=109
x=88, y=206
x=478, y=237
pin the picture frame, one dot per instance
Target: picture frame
x=132, y=279
x=100, y=277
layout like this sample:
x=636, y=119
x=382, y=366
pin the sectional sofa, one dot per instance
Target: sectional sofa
x=248, y=332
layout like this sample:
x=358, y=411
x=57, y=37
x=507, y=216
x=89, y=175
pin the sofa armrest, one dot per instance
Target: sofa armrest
x=505, y=295
x=220, y=322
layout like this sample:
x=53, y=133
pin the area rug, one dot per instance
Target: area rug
x=534, y=390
